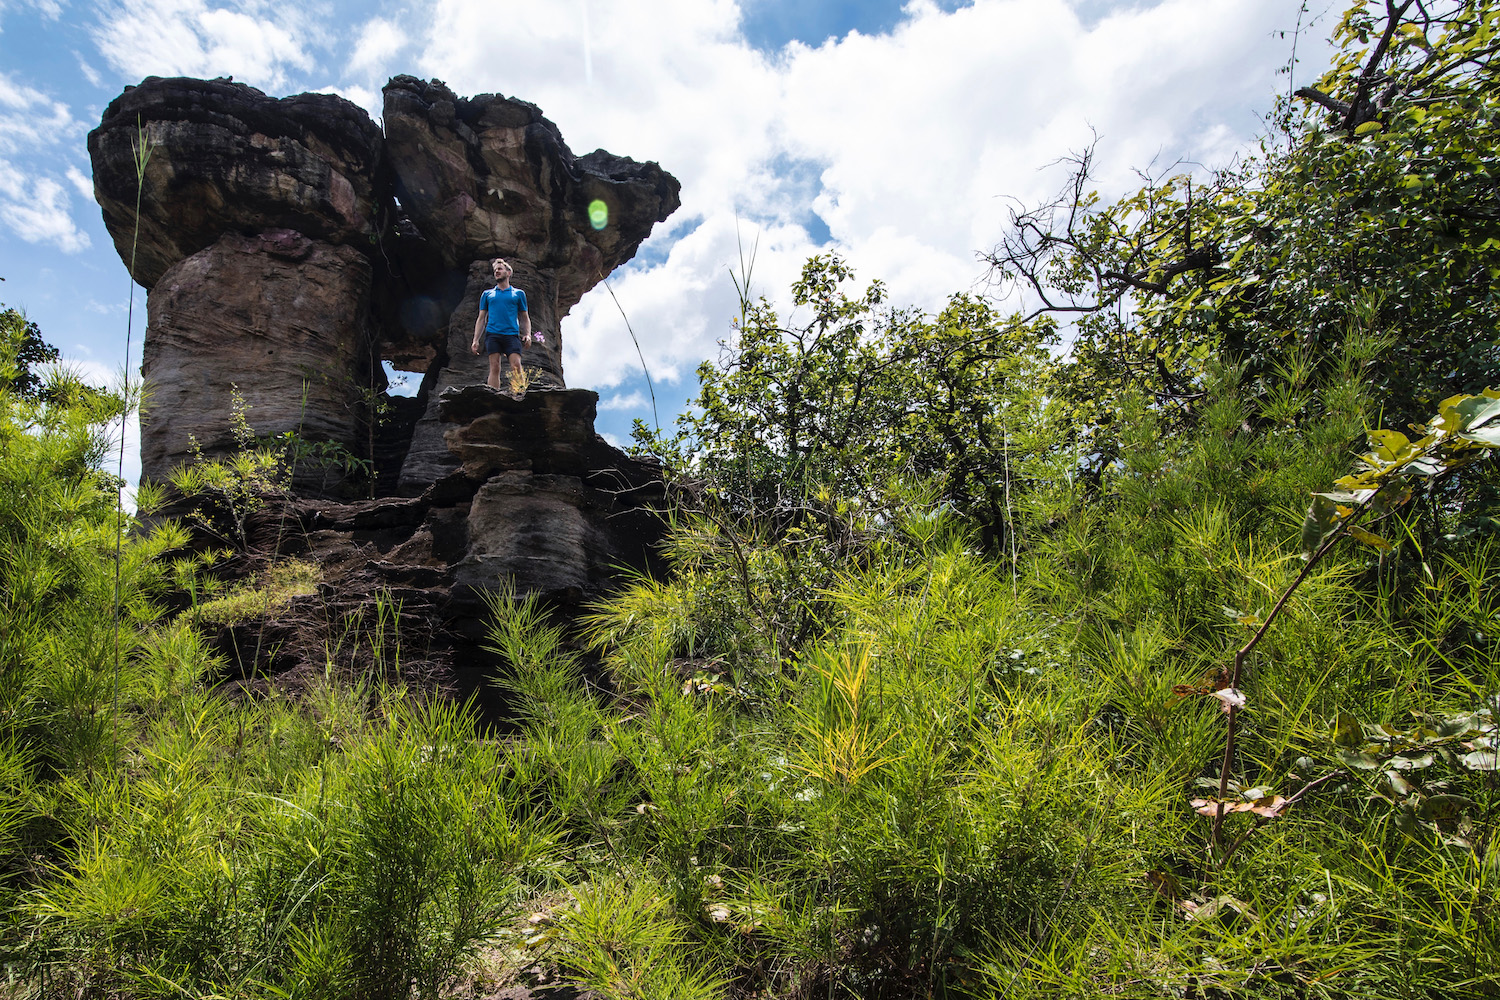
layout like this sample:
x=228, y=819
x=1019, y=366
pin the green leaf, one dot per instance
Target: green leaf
x=1370, y=538
x=1481, y=760
x=1360, y=761
x=1389, y=497
x=1488, y=436
x=1456, y=725
x=1346, y=731
x=1322, y=520
x=1444, y=808
x=1390, y=446
x=1406, y=819
x=1412, y=761
x=1476, y=411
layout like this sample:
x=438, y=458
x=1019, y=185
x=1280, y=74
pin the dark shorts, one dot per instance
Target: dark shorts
x=502, y=343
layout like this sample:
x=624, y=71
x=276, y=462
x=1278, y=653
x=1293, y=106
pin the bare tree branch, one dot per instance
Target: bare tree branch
x=1333, y=104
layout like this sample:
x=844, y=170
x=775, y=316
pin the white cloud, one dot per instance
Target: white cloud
x=87, y=69
x=379, y=41
x=92, y=372
x=371, y=100
x=29, y=119
x=959, y=111
x=680, y=309
x=81, y=182
x=50, y=10
x=625, y=401
x=908, y=146
x=36, y=210
x=254, y=41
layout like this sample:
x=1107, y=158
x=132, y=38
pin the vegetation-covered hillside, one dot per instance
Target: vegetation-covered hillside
x=1166, y=666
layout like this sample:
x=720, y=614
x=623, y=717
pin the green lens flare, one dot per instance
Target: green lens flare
x=598, y=214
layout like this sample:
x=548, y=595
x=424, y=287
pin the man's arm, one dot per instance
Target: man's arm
x=523, y=319
x=479, y=328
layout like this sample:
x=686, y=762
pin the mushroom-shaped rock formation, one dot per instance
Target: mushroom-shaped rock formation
x=222, y=158
x=258, y=227
x=289, y=248
x=487, y=177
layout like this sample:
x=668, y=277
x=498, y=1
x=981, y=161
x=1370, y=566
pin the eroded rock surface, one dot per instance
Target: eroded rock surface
x=542, y=505
x=477, y=178
x=558, y=507
x=225, y=158
x=540, y=501
x=489, y=176
x=277, y=315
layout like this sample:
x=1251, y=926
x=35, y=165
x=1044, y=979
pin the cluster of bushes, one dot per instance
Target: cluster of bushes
x=161, y=839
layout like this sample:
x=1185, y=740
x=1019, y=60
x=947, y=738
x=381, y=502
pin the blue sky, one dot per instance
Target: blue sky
x=769, y=25
x=895, y=133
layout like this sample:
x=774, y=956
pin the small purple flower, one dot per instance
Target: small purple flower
x=536, y=336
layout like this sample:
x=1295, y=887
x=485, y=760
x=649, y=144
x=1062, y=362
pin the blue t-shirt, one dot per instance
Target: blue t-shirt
x=504, y=306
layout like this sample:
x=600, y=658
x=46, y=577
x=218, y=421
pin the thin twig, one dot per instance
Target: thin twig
x=1261, y=821
x=655, y=419
x=1239, y=662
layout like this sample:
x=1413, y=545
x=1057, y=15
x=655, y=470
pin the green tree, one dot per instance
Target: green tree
x=1371, y=204
x=60, y=646
x=789, y=407
x=23, y=348
x=856, y=396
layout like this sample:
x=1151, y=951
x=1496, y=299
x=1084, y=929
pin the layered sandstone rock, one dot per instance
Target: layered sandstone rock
x=476, y=178
x=282, y=266
x=489, y=176
x=225, y=158
x=541, y=505
x=257, y=236
x=556, y=508
x=278, y=318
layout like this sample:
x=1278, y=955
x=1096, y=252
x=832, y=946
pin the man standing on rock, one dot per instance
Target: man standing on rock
x=504, y=324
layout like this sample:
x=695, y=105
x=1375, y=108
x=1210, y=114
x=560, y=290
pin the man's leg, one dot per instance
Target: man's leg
x=494, y=379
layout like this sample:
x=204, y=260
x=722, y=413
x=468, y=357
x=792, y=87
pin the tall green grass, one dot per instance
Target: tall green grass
x=852, y=755
x=965, y=784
